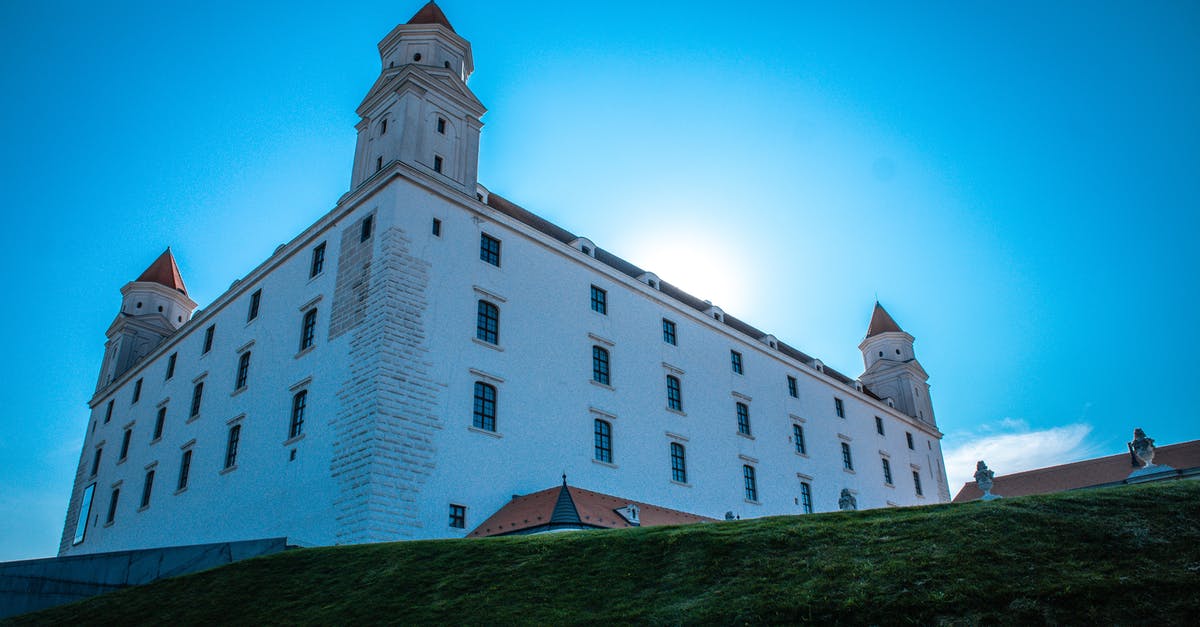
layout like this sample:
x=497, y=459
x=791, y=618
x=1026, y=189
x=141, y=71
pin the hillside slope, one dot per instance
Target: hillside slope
x=1128, y=555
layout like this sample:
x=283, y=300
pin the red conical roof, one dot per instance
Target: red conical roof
x=431, y=14
x=881, y=322
x=164, y=272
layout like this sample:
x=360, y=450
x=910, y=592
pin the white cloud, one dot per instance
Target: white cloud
x=1011, y=446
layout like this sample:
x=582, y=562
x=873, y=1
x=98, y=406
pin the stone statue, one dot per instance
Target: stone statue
x=846, y=502
x=1141, y=450
x=983, y=479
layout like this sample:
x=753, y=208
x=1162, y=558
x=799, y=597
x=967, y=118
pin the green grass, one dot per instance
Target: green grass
x=1128, y=555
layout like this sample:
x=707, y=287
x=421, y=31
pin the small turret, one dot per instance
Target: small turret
x=153, y=307
x=892, y=370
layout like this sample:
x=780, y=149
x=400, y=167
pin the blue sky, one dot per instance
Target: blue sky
x=1019, y=183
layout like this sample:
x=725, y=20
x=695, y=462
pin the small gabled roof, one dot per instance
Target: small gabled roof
x=882, y=322
x=164, y=271
x=431, y=14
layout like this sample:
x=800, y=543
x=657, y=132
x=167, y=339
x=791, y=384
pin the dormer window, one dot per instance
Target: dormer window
x=441, y=126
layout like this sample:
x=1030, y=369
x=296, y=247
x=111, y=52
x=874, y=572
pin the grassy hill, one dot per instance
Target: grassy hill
x=1127, y=555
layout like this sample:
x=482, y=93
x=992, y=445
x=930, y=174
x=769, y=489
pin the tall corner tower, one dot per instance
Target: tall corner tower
x=892, y=370
x=419, y=111
x=153, y=306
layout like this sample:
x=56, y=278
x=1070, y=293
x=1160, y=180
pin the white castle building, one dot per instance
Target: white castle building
x=427, y=350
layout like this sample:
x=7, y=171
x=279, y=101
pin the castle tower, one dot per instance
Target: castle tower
x=892, y=370
x=419, y=111
x=152, y=307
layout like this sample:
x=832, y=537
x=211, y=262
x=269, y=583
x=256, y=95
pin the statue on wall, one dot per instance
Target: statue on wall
x=1141, y=450
x=847, y=502
x=983, y=479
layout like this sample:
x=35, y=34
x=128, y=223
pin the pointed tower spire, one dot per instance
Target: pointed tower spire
x=882, y=322
x=164, y=271
x=431, y=13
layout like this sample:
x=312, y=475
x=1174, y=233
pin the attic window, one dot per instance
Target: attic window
x=586, y=250
x=653, y=283
x=441, y=126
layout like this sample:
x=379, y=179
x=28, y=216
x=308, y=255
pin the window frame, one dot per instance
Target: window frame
x=793, y=387
x=806, y=503
x=317, y=264
x=750, y=483
x=798, y=439
x=308, y=329
x=839, y=407
x=483, y=415
x=197, y=399
x=255, y=302
x=160, y=421
x=735, y=362
x=602, y=441
x=600, y=300
x=887, y=471
x=670, y=333
x=209, y=333
x=126, y=438
x=917, y=483
x=185, y=470
x=171, y=366
x=487, y=322
x=231, y=446
x=367, y=228
x=458, y=516
x=147, y=487
x=243, y=372
x=743, y=418
x=879, y=425
x=113, y=498
x=601, y=365
x=678, y=454
x=847, y=457
x=674, y=393
x=489, y=249
x=909, y=437
x=299, y=407
x=137, y=391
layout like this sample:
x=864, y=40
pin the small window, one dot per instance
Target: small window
x=437, y=164
x=159, y=421
x=441, y=126
x=839, y=407
x=674, y=395
x=125, y=438
x=85, y=513
x=806, y=497
x=489, y=249
x=299, y=404
x=458, y=517
x=147, y=487
x=112, y=505
x=208, y=339
x=231, y=446
x=243, y=371
x=908, y=436
x=879, y=427
x=185, y=468
x=485, y=407
x=197, y=396
x=378, y=163
x=437, y=227
x=678, y=463
x=318, y=261
x=887, y=471
x=383, y=126
x=792, y=388
x=603, y=441
x=137, y=391
x=368, y=226
x=599, y=300
x=108, y=413
x=171, y=365
x=255, y=299
x=600, y=365
x=669, y=332
x=798, y=439
x=743, y=419
x=96, y=461
x=917, y=482
x=487, y=323
x=735, y=360
x=847, y=461
x=750, y=483
x=308, y=329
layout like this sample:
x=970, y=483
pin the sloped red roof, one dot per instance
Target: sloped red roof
x=431, y=14
x=164, y=272
x=881, y=322
x=594, y=509
x=1090, y=472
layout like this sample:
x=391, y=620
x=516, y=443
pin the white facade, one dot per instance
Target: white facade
x=388, y=443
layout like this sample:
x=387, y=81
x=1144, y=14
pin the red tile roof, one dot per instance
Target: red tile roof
x=881, y=322
x=164, y=272
x=1090, y=472
x=546, y=511
x=431, y=14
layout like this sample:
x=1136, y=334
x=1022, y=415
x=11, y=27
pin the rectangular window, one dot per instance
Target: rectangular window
x=487, y=323
x=368, y=225
x=751, y=484
x=171, y=365
x=678, y=463
x=674, y=395
x=792, y=391
x=299, y=404
x=485, y=407
x=308, y=329
x=231, y=446
x=735, y=359
x=137, y=391
x=669, y=332
x=917, y=482
x=96, y=461
x=907, y=436
x=887, y=471
x=378, y=163
x=847, y=461
x=489, y=249
x=441, y=126
x=243, y=371
x=112, y=505
x=147, y=487
x=599, y=300
x=383, y=126
x=128, y=435
x=108, y=413
x=437, y=227
x=798, y=439
x=318, y=261
x=839, y=407
x=600, y=365
x=255, y=299
x=879, y=426
x=85, y=513
x=197, y=396
x=458, y=517
x=743, y=419
x=208, y=338
x=603, y=441
x=437, y=164
x=185, y=467
x=159, y=421
x=806, y=497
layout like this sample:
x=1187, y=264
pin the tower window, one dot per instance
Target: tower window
x=112, y=506
x=847, y=461
x=879, y=427
x=231, y=446
x=108, y=412
x=96, y=461
x=806, y=497
x=839, y=407
x=441, y=124
x=171, y=365
x=743, y=419
x=147, y=487
x=255, y=299
x=603, y=441
x=208, y=339
x=378, y=163
x=125, y=445
x=417, y=57
x=599, y=300
x=85, y=512
x=318, y=261
x=908, y=436
x=185, y=468
x=437, y=164
x=487, y=323
x=437, y=227
x=137, y=391
x=368, y=225
x=917, y=482
x=197, y=396
x=678, y=463
x=299, y=404
x=751, y=483
x=489, y=249
x=669, y=332
x=159, y=421
x=674, y=394
x=735, y=359
x=600, y=365
x=798, y=439
x=383, y=126
x=485, y=407
x=243, y=371
x=792, y=391
x=887, y=471
x=458, y=517
x=308, y=329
